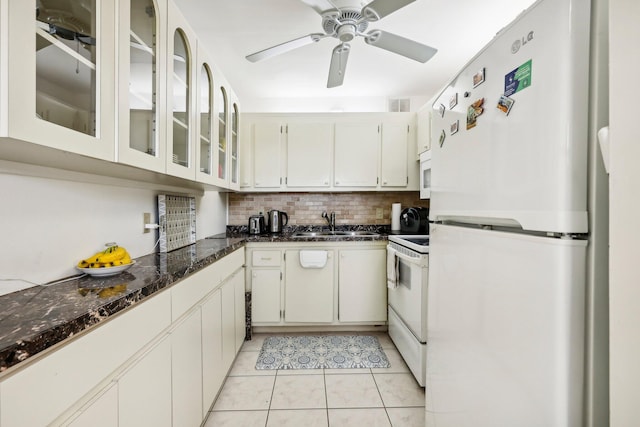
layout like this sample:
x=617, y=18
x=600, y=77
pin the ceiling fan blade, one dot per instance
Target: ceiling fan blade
x=338, y=64
x=378, y=9
x=320, y=6
x=400, y=45
x=284, y=47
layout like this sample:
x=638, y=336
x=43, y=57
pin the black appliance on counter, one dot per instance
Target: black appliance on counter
x=414, y=220
x=257, y=224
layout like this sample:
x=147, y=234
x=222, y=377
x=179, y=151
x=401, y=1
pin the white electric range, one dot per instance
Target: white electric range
x=407, y=295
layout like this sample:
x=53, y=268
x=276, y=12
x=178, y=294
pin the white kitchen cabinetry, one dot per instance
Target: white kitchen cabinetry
x=393, y=163
x=309, y=154
x=265, y=278
x=59, y=89
x=143, y=83
x=267, y=155
x=228, y=325
x=186, y=370
x=212, y=371
x=314, y=296
x=234, y=152
x=45, y=389
x=144, y=390
x=308, y=292
x=100, y=412
x=362, y=285
x=181, y=48
x=423, y=125
x=357, y=148
x=352, y=152
x=156, y=371
x=246, y=155
x=205, y=123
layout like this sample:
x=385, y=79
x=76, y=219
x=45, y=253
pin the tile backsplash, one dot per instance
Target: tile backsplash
x=306, y=208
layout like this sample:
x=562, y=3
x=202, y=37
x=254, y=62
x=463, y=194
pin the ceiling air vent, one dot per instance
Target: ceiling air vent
x=399, y=105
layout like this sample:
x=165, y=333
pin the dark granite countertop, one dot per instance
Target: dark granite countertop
x=39, y=317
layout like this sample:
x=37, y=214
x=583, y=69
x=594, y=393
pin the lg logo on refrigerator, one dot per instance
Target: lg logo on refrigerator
x=515, y=47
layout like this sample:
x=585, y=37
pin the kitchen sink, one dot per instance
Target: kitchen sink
x=328, y=234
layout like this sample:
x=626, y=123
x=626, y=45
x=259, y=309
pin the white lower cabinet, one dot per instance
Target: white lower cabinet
x=228, y=325
x=239, y=323
x=265, y=295
x=308, y=292
x=144, y=390
x=350, y=289
x=212, y=370
x=186, y=371
x=265, y=277
x=141, y=367
x=362, y=285
x=100, y=412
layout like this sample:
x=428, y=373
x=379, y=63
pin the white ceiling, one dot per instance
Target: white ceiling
x=232, y=29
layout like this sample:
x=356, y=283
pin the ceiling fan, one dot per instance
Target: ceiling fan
x=346, y=23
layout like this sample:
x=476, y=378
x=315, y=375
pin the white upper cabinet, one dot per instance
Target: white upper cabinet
x=266, y=155
x=205, y=120
x=309, y=154
x=58, y=68
x=181, y=128
x=234, y=151
x=357, y=146
x=142, y=91
x=393, y=164
x=423, y=123
x=328, y=152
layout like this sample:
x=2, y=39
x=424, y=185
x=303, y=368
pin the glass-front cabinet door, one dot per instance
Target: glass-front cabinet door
x=234, y=177
x=60, y=72
x=223, y=117
x=180, y=111
x=141, y=134
x=205, y=120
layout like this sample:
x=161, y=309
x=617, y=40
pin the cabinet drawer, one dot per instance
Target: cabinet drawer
x=265, y=259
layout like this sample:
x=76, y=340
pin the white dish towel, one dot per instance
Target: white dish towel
x=392, y=268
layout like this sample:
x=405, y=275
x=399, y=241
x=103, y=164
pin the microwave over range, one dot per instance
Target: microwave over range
x=425, y=174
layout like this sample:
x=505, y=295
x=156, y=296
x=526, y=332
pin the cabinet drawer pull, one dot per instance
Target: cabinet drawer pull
x=266, y=259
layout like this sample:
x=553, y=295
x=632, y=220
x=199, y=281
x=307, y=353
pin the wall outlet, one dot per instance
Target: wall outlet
x=379, y=213
x=146, y=220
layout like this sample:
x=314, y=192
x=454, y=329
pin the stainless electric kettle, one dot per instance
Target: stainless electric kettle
x=277, y=220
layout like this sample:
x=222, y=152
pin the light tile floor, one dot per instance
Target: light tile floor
x=385, y=397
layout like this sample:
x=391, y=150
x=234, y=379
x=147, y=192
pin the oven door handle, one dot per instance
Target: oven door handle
x=405, y=257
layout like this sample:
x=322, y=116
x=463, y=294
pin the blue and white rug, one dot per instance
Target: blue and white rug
x=325, y=351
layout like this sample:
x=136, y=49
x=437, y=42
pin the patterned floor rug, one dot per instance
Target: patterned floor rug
x=325, y=351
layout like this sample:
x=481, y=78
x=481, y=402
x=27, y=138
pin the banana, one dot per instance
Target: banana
x=113, y=256
x=112, y=253
x=85, y=262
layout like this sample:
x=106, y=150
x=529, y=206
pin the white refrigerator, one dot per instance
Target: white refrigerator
x=515, y=261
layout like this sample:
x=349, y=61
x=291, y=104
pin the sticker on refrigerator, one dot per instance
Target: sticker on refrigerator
x=443, y=135
x=478, y=78
x=454, y=127
x=473, y=112
x=518, y=79
x=504, y=104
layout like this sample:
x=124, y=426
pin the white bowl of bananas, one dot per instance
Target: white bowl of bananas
x=113, y=260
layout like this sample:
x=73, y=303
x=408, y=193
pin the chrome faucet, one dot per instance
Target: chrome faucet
x=331, y=220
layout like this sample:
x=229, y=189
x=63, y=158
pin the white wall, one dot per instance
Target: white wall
x=52, y=219
x=624, y=276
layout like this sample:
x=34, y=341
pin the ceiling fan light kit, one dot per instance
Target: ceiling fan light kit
x=345, y=24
